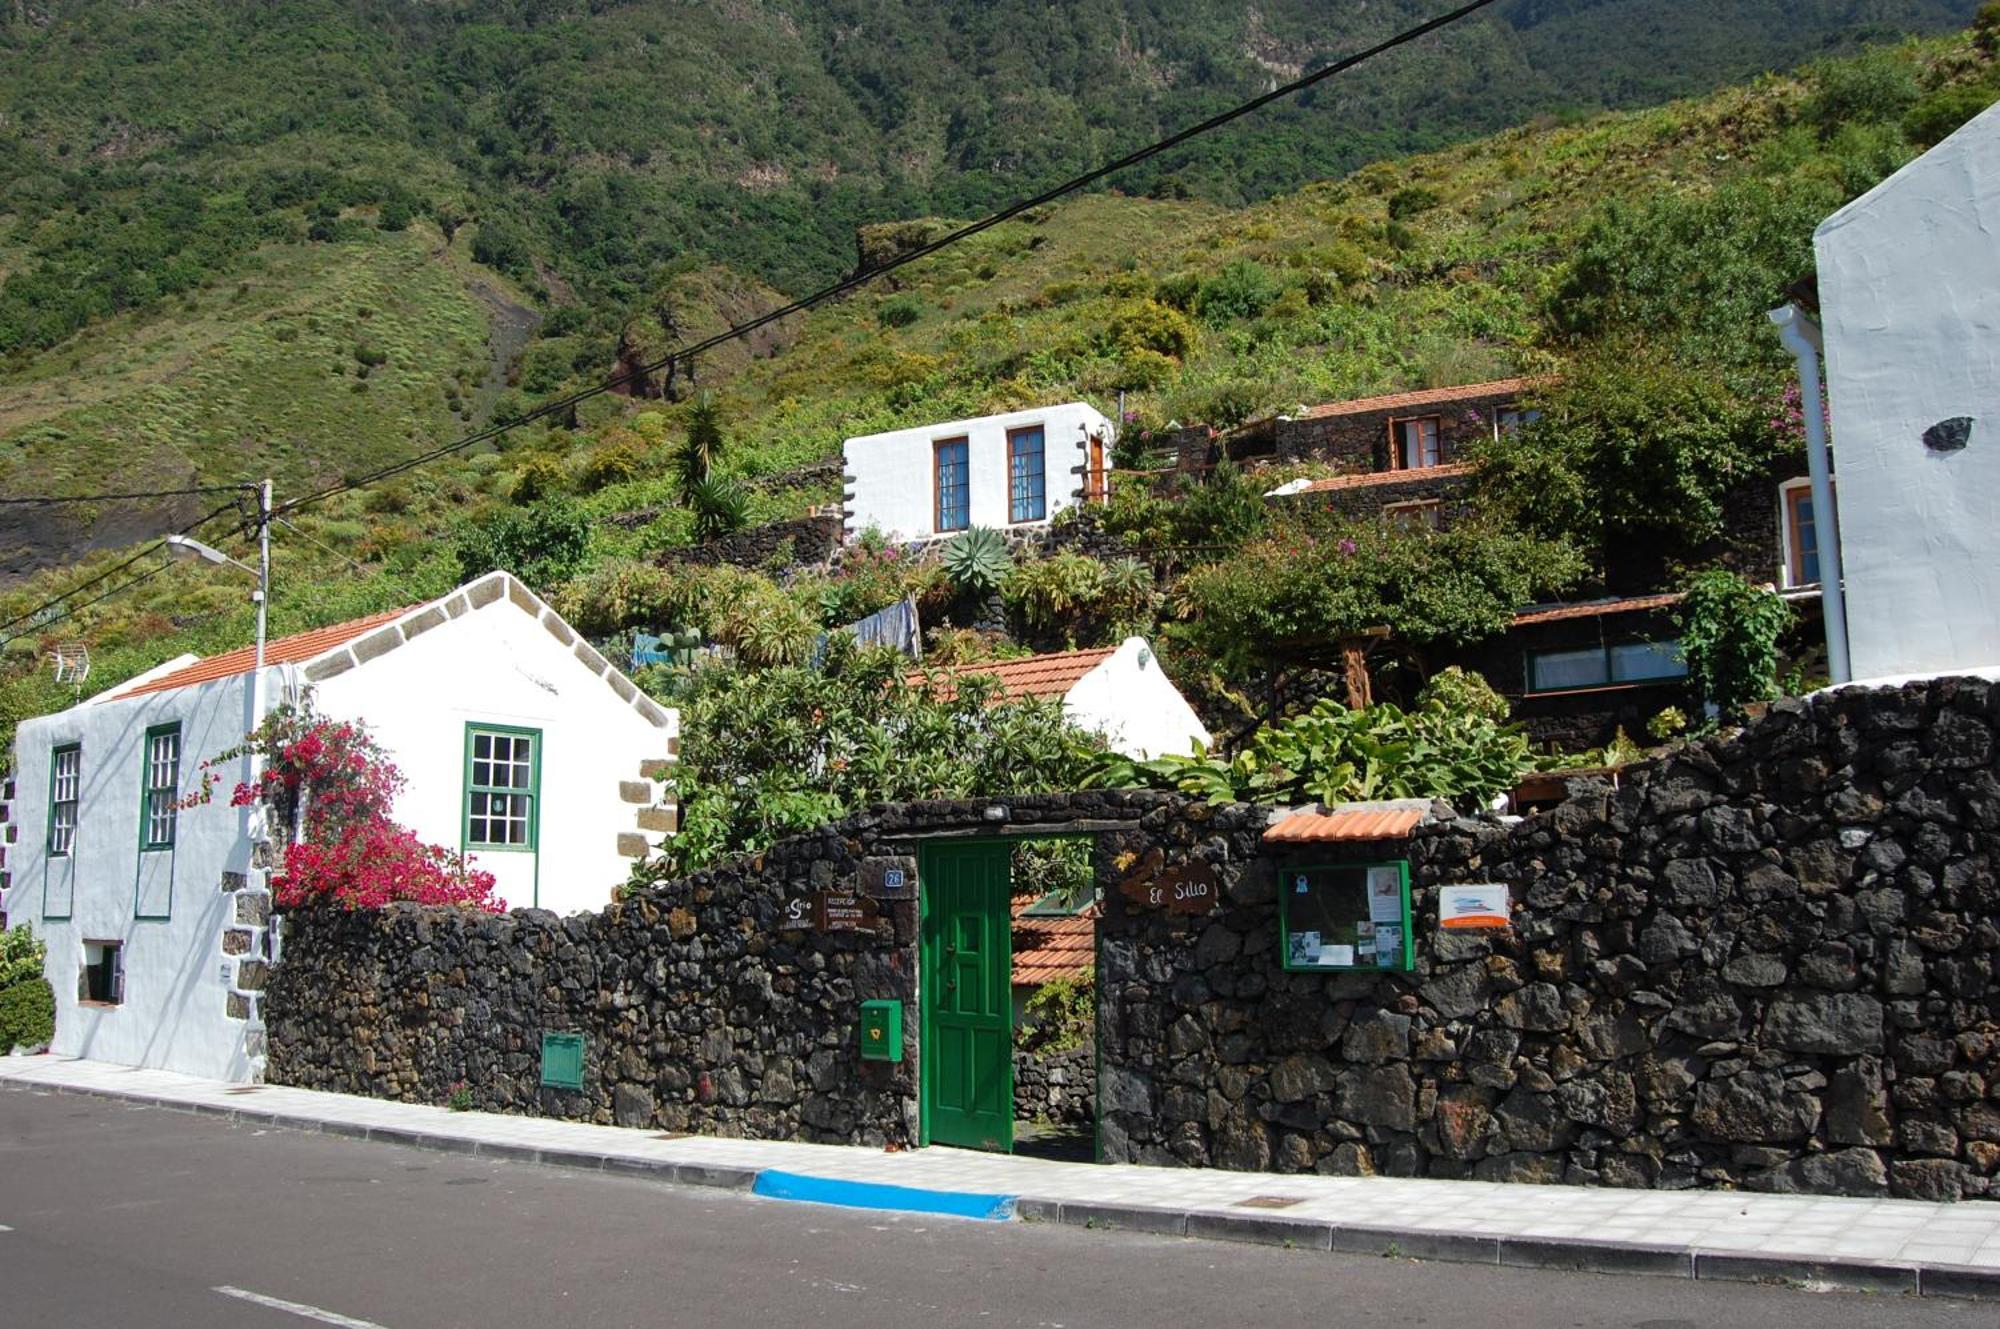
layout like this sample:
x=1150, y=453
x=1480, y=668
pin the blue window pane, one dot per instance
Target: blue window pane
x=1027, y=476
x=954, y=490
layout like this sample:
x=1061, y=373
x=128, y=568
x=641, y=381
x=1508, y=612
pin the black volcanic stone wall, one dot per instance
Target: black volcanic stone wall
x=1765, y=962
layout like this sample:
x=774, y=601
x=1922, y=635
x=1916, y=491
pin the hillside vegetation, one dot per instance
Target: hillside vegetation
x=1667, y=230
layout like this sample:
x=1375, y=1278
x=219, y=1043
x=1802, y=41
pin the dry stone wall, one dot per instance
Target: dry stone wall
x=1766, y=962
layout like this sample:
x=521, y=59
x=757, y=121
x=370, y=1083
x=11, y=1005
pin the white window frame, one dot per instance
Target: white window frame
x=1791, y=578
x=65, y=791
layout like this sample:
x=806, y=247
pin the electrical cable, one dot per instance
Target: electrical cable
x=868, y=275
x=45, y=499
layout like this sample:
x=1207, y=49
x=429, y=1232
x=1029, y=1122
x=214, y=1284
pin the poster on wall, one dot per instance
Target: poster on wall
x=1346, y=916
x=1480, y=905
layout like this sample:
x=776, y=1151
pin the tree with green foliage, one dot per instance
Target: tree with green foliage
x=1729, y=637
x=1291, y=599
x=27, y=1004
x=769, y=753
x=1630, y=448
x=544, y=544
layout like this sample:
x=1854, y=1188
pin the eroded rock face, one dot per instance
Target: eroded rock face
x=1766, y=962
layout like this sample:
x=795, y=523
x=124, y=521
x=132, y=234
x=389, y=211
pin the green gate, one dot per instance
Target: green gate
x=967, y=1060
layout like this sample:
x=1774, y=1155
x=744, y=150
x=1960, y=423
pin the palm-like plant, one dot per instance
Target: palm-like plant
x=696, y=455
x=720, y=506
x=977, y=560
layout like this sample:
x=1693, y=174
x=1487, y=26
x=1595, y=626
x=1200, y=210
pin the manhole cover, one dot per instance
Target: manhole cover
x=1270, y=1202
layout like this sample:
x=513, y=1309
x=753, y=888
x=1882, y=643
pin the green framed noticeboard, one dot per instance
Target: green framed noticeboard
x=1340, y=917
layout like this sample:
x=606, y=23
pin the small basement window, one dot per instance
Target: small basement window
x=103, y=973
x=1616, y=665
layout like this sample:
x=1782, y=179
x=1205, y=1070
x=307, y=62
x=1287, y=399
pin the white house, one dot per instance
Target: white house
x=1002, y=471
x=1909, y=295
x=1120, y=692
x=520, y=744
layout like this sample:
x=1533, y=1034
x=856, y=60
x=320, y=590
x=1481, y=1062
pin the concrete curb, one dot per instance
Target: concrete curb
x=1804, y=1270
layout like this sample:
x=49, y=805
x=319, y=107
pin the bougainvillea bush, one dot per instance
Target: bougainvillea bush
x=330, y=784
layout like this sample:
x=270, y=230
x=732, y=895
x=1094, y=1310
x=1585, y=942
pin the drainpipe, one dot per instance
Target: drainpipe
x=1801, y=337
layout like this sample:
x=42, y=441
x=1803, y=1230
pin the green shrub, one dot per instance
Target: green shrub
x=612, y=464
x=1061, y=1015
x=899, y=311
x=1332, y=754
x=1940, y=114
x=720, y=506
x=539, y=476
x=21, y=955
x=1243, y=289
x=1464, y=692
x=27, y=1015
x=1143, y=370
x=1406, y=203
x=1051, y=592
x=618, y=594
x=1729, y=636
x=1148, y=325
x=1179, y=290
x=1874, y=87
x=543, y=545
x=1986, y=28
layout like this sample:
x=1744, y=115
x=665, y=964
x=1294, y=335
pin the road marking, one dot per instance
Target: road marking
x=5, y=1228
x=297, y=1308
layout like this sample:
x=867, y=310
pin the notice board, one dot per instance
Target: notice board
x=1336, y=917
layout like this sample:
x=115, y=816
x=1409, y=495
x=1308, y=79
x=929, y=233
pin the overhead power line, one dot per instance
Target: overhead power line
x=862, y=278
x=56, y=602
x=47, y=499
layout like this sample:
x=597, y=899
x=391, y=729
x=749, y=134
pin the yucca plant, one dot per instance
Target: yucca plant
x=720, y=506
x=977, y=560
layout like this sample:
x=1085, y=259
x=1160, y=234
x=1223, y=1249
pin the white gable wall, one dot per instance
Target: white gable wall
x=892, y=483
x=1909, y=285
x=1130, y=700
x=497, y=665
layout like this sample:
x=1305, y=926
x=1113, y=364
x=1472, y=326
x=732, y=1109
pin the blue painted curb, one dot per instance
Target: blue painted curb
x=776, y=1185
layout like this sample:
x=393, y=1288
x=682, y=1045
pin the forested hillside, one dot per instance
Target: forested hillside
x=306, y=272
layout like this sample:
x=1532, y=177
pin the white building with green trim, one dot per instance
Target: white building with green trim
x=520, y=744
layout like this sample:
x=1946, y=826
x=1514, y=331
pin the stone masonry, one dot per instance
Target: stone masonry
x=1766, y=961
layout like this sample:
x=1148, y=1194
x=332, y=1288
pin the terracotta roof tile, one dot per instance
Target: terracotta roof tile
x=1359, y=824
x=1049, y=948
x=1592, y=608
x=295, y=649
x=1397, y=401
x=1050, y=675
x=1372, y=479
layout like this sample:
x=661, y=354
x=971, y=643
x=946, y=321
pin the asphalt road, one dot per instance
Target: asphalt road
x=118, y=1217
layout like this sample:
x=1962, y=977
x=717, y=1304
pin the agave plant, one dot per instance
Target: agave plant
x=977, y=560
x=720, y=506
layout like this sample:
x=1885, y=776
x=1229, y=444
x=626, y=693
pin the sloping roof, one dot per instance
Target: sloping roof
x=1593, y=608
x=1373, y=479
x=1049, y=948
x=1051, y=675
x=1399, y=401
x=1358, y=824
x=295, y=649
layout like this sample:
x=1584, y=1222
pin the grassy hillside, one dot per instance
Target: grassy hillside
x=1521, y=251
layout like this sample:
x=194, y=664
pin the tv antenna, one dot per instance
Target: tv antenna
x=72, y=664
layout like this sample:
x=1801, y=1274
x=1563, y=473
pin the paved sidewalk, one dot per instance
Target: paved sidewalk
x=1887, y=1245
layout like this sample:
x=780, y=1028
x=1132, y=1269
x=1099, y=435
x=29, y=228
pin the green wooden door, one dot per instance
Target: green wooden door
x=967, y=1059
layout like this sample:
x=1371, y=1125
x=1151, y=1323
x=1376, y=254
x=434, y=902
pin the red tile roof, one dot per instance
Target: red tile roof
x=1371, y=479
x=1592, y=608
x=295, y=649
x=1049, y=948
x=1398, y=401
x=1359, y=824
x=1050, y=675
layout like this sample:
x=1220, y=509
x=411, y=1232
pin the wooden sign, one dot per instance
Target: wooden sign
x=845, y=911
x=1184, y=888
x=798, y=915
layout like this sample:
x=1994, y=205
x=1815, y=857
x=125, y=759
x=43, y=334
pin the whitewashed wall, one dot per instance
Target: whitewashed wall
x=1909, y=286
x=173, y=1015
x=1130, y=700
x=497, y=665
x=890, y=477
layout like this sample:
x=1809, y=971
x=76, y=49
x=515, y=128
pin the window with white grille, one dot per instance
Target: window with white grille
x=65, y=783
x=159, y=816
x=501, y=788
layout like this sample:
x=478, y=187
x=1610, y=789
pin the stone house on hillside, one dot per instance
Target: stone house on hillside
x=520, y=744
x=1575, y=672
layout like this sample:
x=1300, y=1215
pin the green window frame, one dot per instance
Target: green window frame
x=65, y=791
x=159, y=787
x=503, y=788
x=1401, y=958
